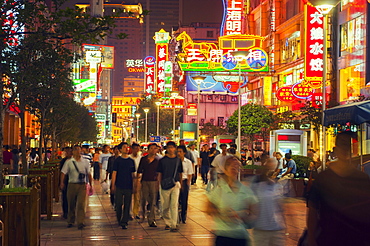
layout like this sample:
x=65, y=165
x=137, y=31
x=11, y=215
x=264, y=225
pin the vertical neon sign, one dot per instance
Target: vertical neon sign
x=161, y=49
x=149, y=63
x=233, y=19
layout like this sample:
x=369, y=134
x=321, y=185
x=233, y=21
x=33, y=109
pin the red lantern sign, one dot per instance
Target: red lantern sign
x=302, y=91
x=285, y=94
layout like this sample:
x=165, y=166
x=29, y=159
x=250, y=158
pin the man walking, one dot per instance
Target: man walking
x=185, y=184
x=136, y=156
x=205, y=163
x=219, y=161
x=109, y=173
x=169, y=175
x=147, y=173
x=122, y=184
x=196, y=157
x=103, y=159
x=68, y=155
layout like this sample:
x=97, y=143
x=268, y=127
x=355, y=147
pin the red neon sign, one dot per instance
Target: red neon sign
x=161, y=58
x=149, y=63
x=285, y=94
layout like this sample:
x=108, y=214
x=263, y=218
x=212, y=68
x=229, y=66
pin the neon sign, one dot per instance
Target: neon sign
x=314, y=48
x=161, y=47
x=233, y=19
x=285, y=94
x=149, y=63
x=209, y=57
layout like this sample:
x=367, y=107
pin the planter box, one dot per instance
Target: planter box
x=298, y=187
x=21, y=217
x=46, y=193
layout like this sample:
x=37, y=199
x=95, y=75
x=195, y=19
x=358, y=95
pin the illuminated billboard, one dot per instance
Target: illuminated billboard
x=233, y=17
x=228, y=84
x=209, y=57
x=162, y=39
x=107, y=54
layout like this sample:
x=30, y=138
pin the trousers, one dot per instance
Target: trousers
x=123, y=197
x=76, y=196
x=184, y=195
x=170, y=204
x=149, y=192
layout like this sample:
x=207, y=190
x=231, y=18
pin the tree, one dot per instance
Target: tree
x=211, y=130
x=255, y=119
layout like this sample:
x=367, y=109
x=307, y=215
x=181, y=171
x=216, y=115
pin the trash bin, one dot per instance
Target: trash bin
x=15, y=181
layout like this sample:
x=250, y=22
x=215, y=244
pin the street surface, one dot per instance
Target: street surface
x=102, y=229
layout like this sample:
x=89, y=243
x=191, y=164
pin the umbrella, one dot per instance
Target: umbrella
x=354, y=113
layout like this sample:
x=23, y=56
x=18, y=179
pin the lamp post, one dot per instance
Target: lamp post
x=174, y=94
x=239, y=57
x=324, y=6
x=137, y=126
x=198, y=80
x=131, y=128
x=158, y=103
x=146, y=110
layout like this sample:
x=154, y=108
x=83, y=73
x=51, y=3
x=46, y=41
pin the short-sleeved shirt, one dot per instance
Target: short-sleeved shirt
x=219, y=162
x=136, y=160
x=204, y=155
x=343, y=204
x=149, y=170
x=195, y=155
x=124, y=168
x=167, y=166
x=7, y=156
x=187, y=168
x=291, y=164
x=111, y=160
x=225, y=199
x=280, y=163
x=83, y=166
x=87, y=157
x=103, y=159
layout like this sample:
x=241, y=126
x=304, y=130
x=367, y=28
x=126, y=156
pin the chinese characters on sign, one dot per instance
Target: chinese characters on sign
x=314, y=49
x=285, y=94
x=149, y=62
x=302, y=91
x=233, y=17
x=135, y=65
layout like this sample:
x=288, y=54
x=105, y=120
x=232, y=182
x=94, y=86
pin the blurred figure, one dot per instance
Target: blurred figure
x=214, y=152
x=236, y=153
x=339, y=201
x=232, y=206
x=196, y=157
x=96, y=164
x=220, y=159
x=33, y=157
x=111, y=159
x=67, y=155
x=86, y=154
x=280, y=164
x=103, y=160
x=14, y=167
x=312, y=154
x=270, y=224
x=136, y=156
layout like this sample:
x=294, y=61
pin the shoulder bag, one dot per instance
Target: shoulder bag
x=170, y=182
x=81, y=176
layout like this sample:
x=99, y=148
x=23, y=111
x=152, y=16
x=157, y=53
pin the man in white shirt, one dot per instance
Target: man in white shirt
x=219, y=161
x=136, y=156
x=186, y=178
x=103, y=160
x=196, y=157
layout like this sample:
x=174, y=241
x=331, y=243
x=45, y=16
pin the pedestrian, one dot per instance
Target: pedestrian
x=196, y=157
x=33, y=157
x=14, y=169
x=86, y=154
x=187, y=173
x=220, y=159
x=232, y=206
x=136, y=156
x=270, y=223
x=205, y=163
x=122, y=184
x=109, y=172
x=291, y=167
x=169, y=175
x=214, y=152
x=339, y=201
x=280, y=164
x=236, y=153
x=96, y=164
x=103, y=160
x=68, y=155
x=147, y=175
x=78, y=171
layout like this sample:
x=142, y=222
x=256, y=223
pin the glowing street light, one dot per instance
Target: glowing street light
x=146, y=110
x=199, y=80
x=137, y=115
x=158, y=103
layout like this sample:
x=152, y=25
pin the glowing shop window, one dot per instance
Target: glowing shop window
x=351, y=83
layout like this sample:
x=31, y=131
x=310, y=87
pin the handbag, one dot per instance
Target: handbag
x=170, y=182
x=81, y=176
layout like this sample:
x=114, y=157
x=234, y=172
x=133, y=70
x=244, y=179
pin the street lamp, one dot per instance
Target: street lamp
x=146, y=110
x=158, y=103
x=239, y=57
x=131, y=119
x=137, y=126
x=324, y=6
x=198, y=79
x=174, y=94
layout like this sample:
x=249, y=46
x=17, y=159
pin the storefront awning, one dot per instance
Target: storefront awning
x=355, y=113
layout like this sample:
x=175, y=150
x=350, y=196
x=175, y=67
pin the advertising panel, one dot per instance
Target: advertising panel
x=107, y=54
x=161, y=51
x=224, y=84
x=84, y=85
x=233, y=17
x=149, y=63
x=314, y=26
x=135, y=65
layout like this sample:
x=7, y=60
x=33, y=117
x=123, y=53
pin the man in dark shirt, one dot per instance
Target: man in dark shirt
x=213, y=152
x=122, y=184
x=170, y=167
x=339, y=202
x=204, y=168
x=68, y=152
x=109, y=171
x=147, y=172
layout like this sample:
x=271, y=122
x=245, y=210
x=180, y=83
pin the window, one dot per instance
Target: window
x=209, y=34
x=220, y=121
x=223, y=97
x=292, y=8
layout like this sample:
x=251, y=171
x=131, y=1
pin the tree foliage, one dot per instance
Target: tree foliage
x=255, y=119
x=211, y=130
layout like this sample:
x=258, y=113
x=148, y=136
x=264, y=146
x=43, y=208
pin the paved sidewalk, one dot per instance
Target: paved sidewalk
x=102, y=229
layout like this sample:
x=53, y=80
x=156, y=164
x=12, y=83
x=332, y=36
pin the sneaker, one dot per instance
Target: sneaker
x=137, y=217
x=167, y=227
x=124, y=226
x=153, y=224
